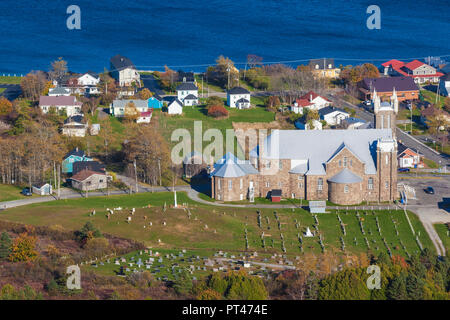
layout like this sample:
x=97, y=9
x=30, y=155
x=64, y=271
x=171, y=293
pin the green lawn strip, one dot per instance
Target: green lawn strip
x=444, y=235
x=11, y=192
x=10, y=80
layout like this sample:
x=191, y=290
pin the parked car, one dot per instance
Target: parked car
x=403, y=170
x=26, y=192
x=429, y=190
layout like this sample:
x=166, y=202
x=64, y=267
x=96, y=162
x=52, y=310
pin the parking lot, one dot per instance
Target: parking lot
x=441, y=186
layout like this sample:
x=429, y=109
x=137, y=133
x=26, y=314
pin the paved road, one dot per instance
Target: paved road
x=406, y=139
x=12, y=91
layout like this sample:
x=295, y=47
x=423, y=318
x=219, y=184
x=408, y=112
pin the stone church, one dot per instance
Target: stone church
x=343, y=166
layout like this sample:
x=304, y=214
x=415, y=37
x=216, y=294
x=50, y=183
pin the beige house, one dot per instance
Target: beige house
x=124, y=71
x=87, y=180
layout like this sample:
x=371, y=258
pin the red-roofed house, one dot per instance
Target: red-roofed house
x=407, y=157
x=145, y=117
x=310, y=100
x=67, y=104
x=418, y=70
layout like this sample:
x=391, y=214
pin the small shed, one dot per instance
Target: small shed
x=42, y=189
x=95, y=129
x=317, y=206
x=275, y=195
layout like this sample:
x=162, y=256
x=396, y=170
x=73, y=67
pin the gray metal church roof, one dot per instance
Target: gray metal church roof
x=345, y=176
x=318, y=146
x=230, y=167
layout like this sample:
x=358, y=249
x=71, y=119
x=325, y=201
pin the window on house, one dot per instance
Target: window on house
x=280, y=184
x=293, y=195
x=386, y=185
x=230, y=184
x=241, y=197
x=346, y=189
x=268, y=164
x=320, y=184
x=300, y=177
x=351, y=163
x=280, y=164
x=345, y=161
x=370, y=184
x=241, y=183
x=340, y=163
x=300, y=185
x=219, y=184
x=387, y=159
x=219, y=196
x=267, y=184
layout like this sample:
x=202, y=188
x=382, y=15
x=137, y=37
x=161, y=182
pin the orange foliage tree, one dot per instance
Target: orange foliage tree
x=23, y=248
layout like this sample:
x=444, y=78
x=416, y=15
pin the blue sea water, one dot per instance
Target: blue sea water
x=189, y=34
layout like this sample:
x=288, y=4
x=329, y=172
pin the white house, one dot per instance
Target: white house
x=124, y=71
x=189, y=92
x=175, y=107
x=238, y=97
x=67, y=104
x=74, y=127
x=333, y=115
x=313, y=125
x=444, y=85
x=58, y=91
x=145, y=117
x=310, y=100
x=88, y=79
x=118, y=107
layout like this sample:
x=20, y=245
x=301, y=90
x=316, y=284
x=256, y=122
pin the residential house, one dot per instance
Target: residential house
x=124, y=71
x=145, y=117
x=58, y=91
x=118, y=107
x=174, y=106
x=186, y=76
x=42, y=188
x=312, y=125
x=73, y=156
x=405, y=88
x=74, y=127
x=418, y=70
x=332, y=115
x=89, y=81
x=310, y=100
x=88, y=165
x=407, y=157
x=187, y=93
x=155, y=102
x=444, y=85
x=238, y=97
x=355, y=123
x=324, y=68
x=87, y=180
x=62, y=104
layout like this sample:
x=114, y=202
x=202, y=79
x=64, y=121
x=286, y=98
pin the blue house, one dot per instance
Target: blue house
x=155, y=102
x=73, y=156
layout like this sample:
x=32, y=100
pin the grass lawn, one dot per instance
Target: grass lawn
x=10, y=80
x=444, y=234
x=206, y=85
x=168, y=124
x=430, y=96
x=9, y=192
x=430, y=163
x=220, y=228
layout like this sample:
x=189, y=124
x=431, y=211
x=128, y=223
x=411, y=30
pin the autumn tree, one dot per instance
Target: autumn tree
x=145, y=94
x=150, y=151
x=224, y=73
x=90, y=104
x=352, y=75
x=87, y=233
x=217, y=111
x=107, y=87
x=272, y=103
x=23, y=248
x=5, y=106
x=131, y=113
x=168, y=79
x=33, y=85
x=58, y=69
x=214, y=101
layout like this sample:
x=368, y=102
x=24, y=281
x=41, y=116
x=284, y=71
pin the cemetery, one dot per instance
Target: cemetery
x=204, y=230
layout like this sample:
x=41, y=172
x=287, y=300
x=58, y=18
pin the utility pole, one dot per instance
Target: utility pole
x=228, y=70
x=135, y=176
x=59, y=182
x=159, y=167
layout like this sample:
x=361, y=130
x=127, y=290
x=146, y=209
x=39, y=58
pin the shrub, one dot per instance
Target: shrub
x=23, y=248
x=217, y=111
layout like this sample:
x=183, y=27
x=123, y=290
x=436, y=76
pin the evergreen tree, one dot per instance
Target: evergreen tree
x=5, y=245
x=414, y=287
x=396, y=289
